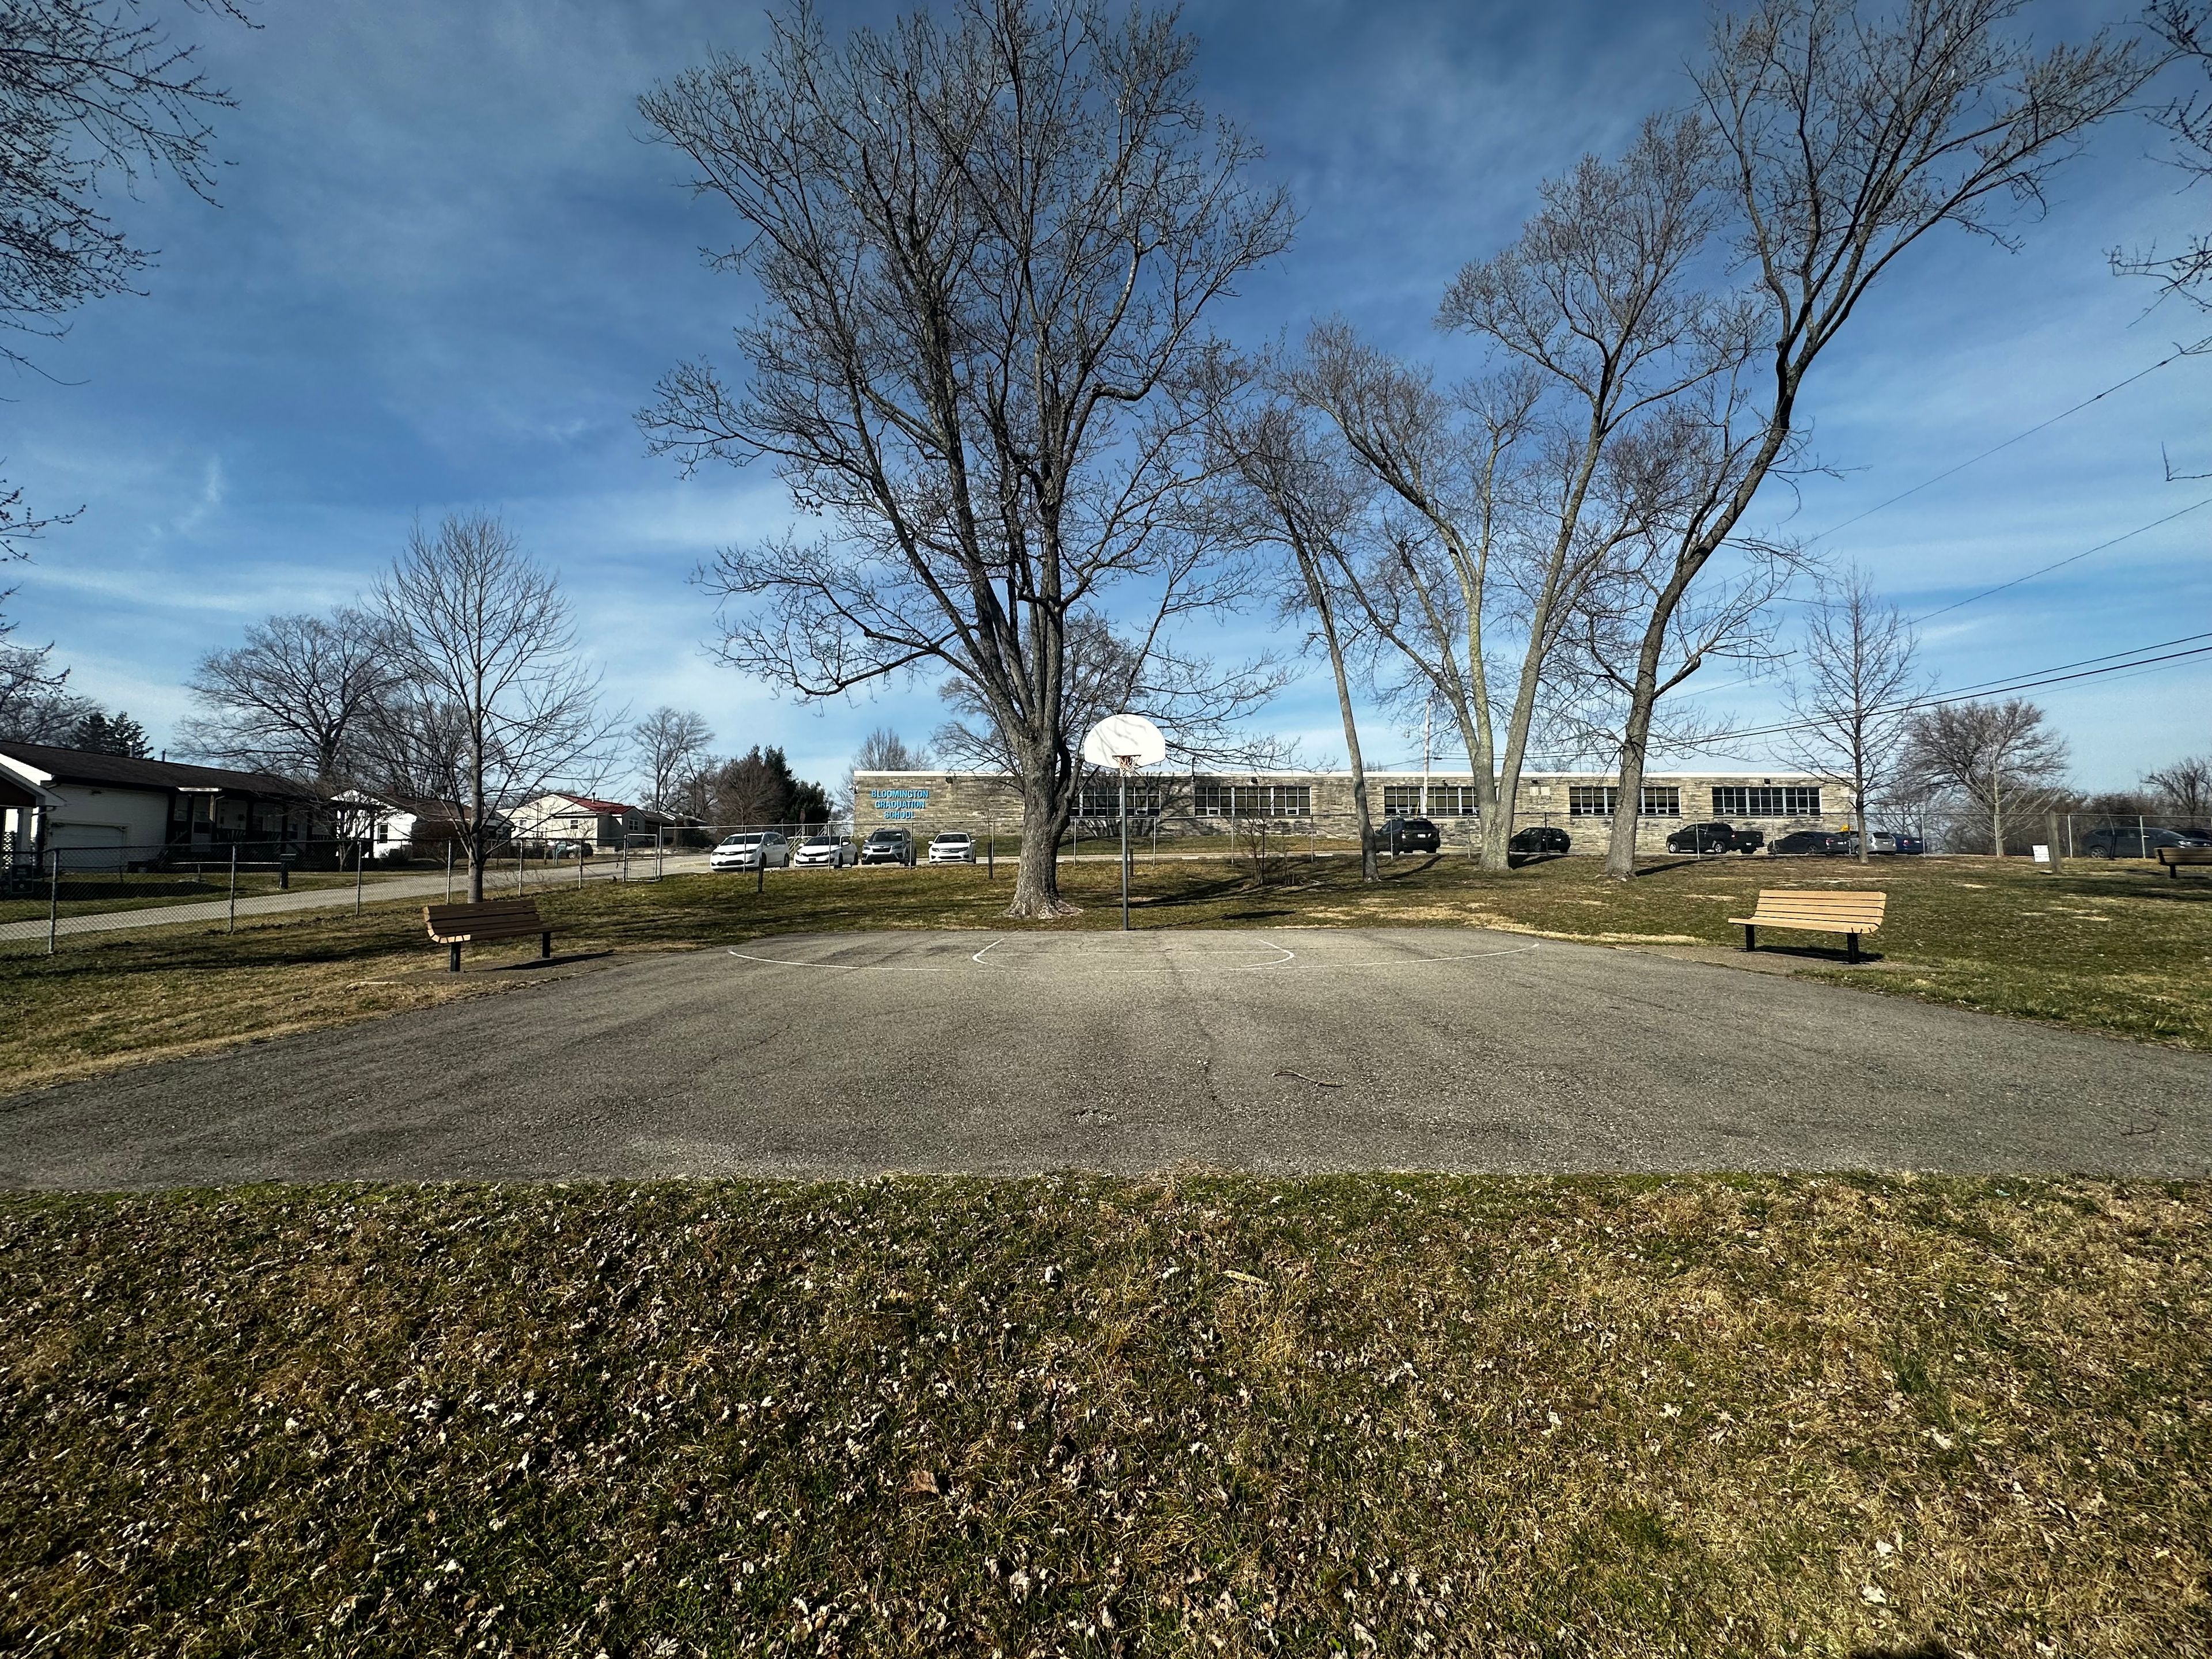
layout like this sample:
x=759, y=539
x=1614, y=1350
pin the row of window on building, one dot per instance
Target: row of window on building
x=1102, y=799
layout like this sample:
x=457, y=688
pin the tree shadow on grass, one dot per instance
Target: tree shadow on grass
x=1930, y=1649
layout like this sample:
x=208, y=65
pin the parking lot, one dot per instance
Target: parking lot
x=1278, y=1050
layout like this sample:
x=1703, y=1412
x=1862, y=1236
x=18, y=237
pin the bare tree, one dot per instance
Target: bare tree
x=497, y=707
x=90, y=93
x=984, y=248
x=1845, y=140
x=1284, y=487
x=298, y=698
x=670, y=744
x=882, y=750
x=1995, y=754
x=2185, y=27
x=2186, y=786
x=1852, y=691
x=1200, y=704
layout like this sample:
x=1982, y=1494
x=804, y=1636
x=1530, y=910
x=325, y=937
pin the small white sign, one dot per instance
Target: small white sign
x=2042, y=855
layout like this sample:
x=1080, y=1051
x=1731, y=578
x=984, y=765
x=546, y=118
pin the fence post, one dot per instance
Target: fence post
x=2142, y=838
x=54, y=900
x=580, y=863
x=359, y=863
x=232, y=926
x=760, y=863
x=449, y=871
x=625, y=854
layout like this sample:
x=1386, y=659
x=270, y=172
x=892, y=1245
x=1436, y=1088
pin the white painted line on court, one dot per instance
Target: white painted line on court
x=1393, y=961
x=1285, y=957
x=846, y=967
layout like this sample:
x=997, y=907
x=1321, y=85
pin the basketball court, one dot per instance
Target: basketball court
x=1274, y=1050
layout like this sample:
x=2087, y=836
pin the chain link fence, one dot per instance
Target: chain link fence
x=50, y=894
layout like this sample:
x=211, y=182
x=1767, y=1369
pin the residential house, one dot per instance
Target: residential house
x=100, y=808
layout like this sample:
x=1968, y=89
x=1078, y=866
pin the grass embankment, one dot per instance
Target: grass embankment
x=2118, y=949
x=1354, y=1415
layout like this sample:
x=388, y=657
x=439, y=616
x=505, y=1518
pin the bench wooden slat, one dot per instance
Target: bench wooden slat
x=456, y=924
x=1797, y=909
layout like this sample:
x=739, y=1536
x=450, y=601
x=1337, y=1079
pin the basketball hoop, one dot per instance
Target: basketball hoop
x=1125, y=742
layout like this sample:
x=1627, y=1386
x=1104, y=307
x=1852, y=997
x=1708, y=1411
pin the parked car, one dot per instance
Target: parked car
x=1884, y=843
x=889, y=845
x=1812, y=843
x=751, y=851
x=1717, y=835
x=1406, y=835
x=2127, y=841
x=823, y=852
x=953, y=847
x=1538, y=840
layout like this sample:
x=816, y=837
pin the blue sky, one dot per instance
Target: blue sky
x=448, y=270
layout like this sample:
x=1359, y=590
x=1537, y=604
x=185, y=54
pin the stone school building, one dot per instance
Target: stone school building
x=1184, y=803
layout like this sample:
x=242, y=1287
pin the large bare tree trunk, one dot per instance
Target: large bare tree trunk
x=1044, y=820
x=1368, y=869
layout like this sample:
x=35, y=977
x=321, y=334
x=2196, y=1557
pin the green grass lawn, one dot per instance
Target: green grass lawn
x=2115, y=948
x=1372, y=1415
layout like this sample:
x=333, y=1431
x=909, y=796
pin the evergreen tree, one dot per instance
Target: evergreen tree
x=96, y=734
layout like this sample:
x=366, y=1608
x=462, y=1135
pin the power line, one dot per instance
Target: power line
x=2176, y=357
x=1996, y=688
x=2073, y=558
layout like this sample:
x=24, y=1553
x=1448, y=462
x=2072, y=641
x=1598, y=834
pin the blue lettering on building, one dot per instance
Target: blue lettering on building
x=896, y=803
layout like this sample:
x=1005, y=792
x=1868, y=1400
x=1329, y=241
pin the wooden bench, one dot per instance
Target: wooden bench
x=2175, y=857
x=1806, y=910
x=456, y=924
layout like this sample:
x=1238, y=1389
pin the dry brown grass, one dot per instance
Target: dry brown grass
x=1203, y=1415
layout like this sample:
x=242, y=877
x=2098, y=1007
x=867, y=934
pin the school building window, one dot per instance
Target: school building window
x=1766, y=801
x=1252, y=800
x=1591, y=800
x=1662, y=800
x=1446, y=800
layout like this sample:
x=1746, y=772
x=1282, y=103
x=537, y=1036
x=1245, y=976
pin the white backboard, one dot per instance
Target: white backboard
x=1125, y=739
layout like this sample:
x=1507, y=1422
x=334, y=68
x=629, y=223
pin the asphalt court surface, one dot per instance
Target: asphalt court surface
x=1271, y=1050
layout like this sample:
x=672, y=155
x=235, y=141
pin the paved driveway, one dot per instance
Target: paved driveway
x=1281, y=1050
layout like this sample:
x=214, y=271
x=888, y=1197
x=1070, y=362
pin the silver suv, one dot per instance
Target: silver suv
x=888, y=846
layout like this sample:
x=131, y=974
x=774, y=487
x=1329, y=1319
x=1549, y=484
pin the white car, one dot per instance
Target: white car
x=830, y=852
x=953, y=847
x=753, y=852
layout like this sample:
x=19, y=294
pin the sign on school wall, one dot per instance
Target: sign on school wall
x=896, y=804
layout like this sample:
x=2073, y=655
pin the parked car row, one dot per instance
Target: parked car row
x=2115, y=841
x=893, y=844
x=751, y=850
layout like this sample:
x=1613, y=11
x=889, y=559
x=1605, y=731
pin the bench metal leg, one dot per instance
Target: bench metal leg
x=545, y=945
x=1850, y=947
x=453, y=959
x=1750, y=936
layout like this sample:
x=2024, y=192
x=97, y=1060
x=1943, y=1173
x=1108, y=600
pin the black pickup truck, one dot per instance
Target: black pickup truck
x=1717, y=836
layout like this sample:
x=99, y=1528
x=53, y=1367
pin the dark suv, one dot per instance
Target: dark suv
x=1811, y=843
x=1406, y=835
x=1716, y=837
x=1538, y=840
x=2128, y=840
x=888, y=846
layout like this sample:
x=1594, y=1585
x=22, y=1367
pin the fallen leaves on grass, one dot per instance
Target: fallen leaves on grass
x=1377, y=1414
